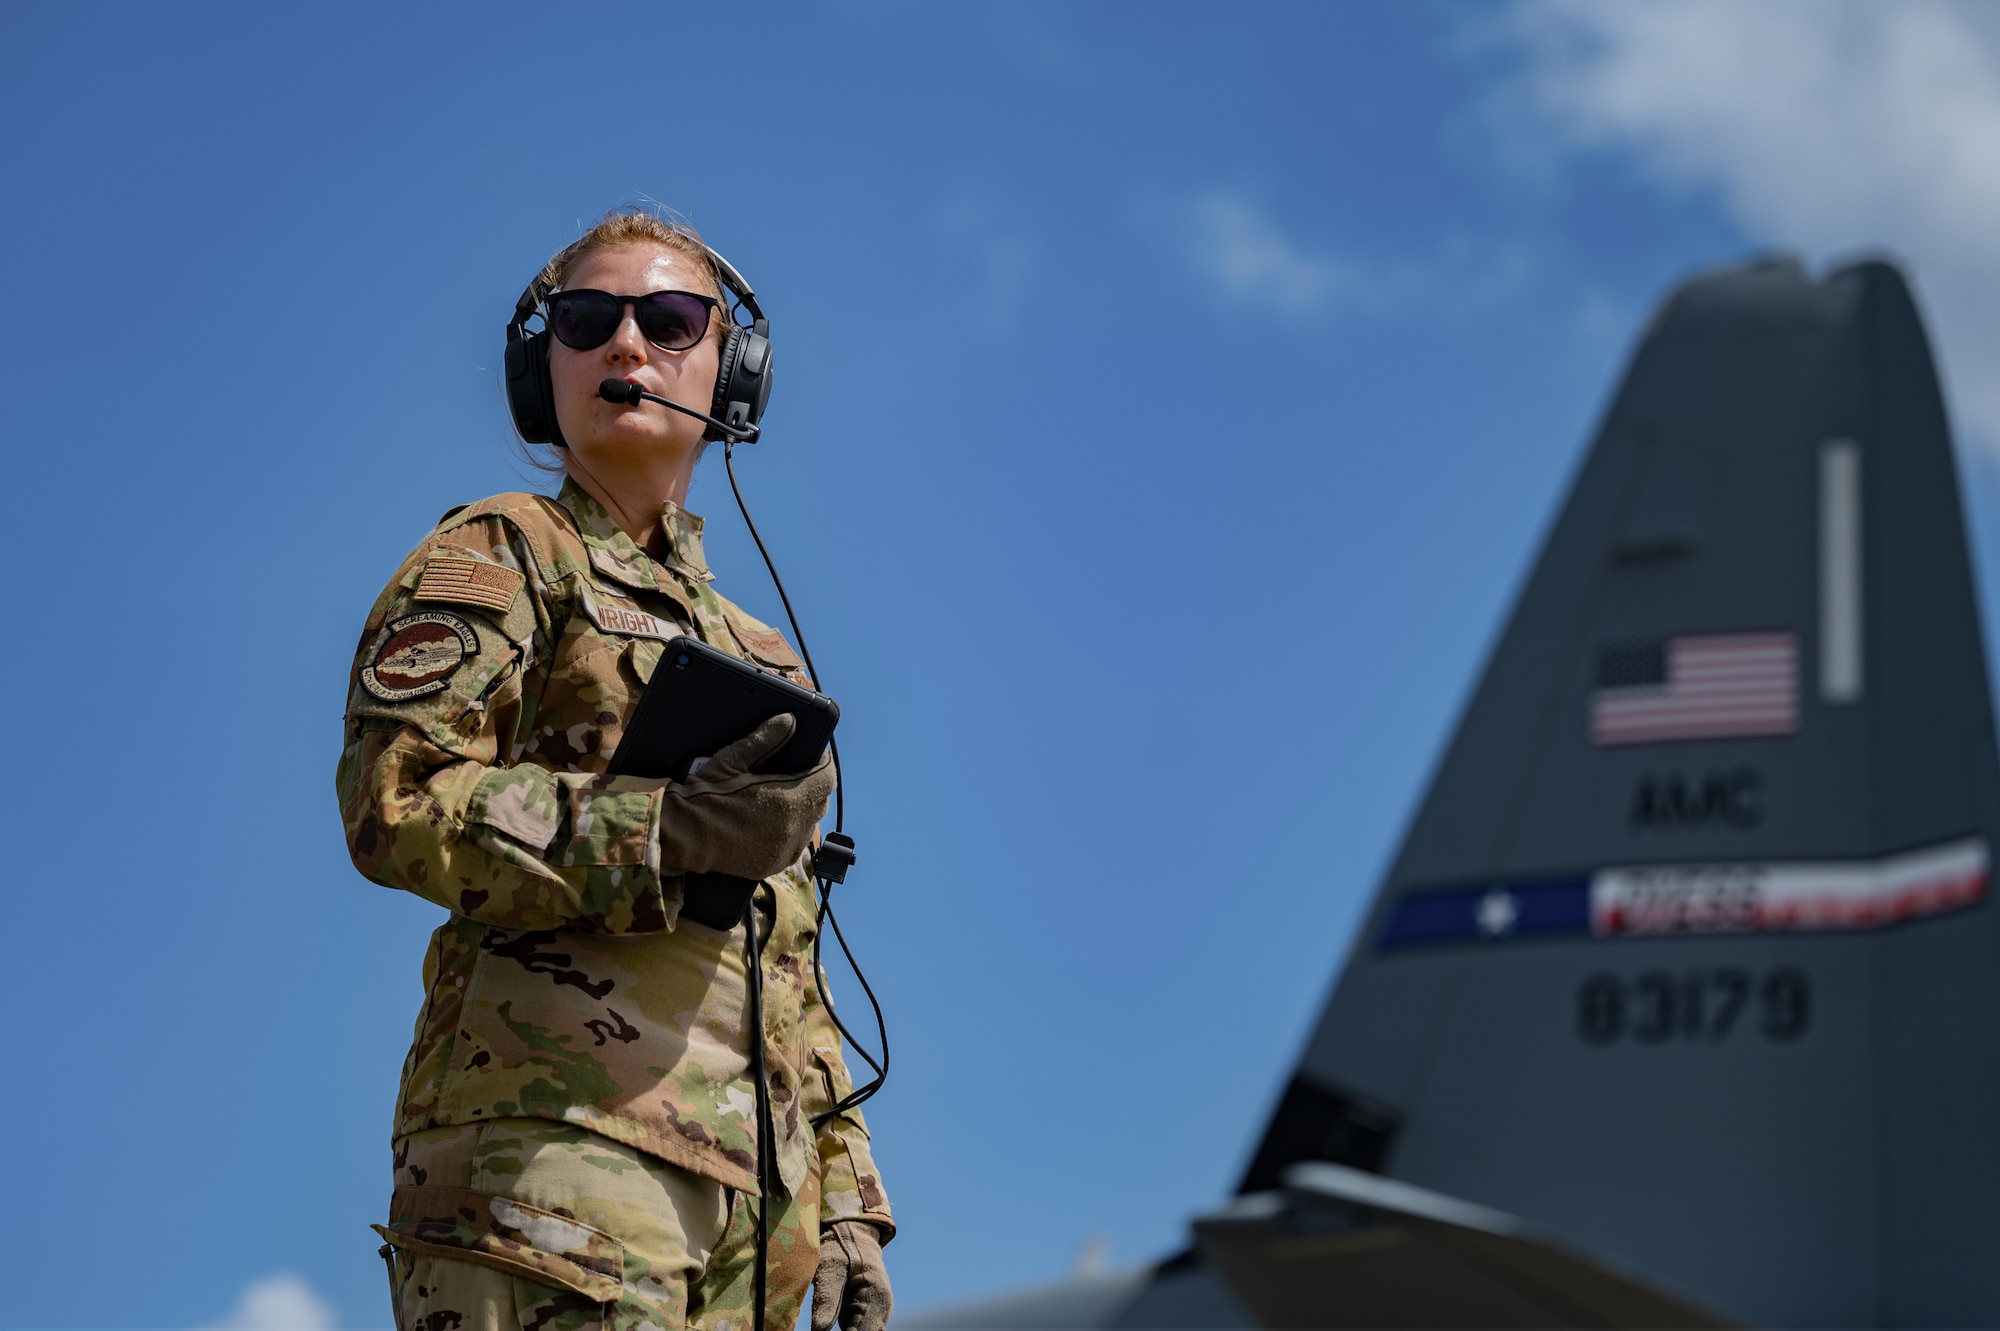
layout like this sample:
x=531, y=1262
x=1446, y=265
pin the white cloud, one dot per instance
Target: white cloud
x=281, y=1302
x=1827, y=126
x=1249, y=260
x=1245, y=254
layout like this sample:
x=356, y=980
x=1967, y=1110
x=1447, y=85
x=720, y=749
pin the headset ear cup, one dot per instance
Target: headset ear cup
x=545, y=388
x=527, y=421
x=752, y=390
x=742, y=378
x=725, y=374
x=531, y=392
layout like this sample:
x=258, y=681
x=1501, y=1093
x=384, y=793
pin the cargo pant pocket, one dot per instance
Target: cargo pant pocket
x=447, y=1294
x=551, y=1308
x=537, y=1247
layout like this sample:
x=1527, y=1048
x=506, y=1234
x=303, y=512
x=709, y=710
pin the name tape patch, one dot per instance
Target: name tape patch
x=630, y=622
x=419, y=655
x=468, y=581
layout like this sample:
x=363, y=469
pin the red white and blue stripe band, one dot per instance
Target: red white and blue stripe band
x=1719, y=898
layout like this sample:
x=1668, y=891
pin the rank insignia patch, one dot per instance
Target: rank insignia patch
x=468, y=581
x=419, y=655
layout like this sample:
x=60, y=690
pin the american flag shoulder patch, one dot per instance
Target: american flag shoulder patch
x=464, y=580
x=1696, y=686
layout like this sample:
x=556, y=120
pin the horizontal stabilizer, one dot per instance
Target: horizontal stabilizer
x=1340, y=1248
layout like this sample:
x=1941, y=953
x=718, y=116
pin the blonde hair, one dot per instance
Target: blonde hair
x=633, y=225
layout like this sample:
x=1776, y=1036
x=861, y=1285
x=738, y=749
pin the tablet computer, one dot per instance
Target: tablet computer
x=701, y=698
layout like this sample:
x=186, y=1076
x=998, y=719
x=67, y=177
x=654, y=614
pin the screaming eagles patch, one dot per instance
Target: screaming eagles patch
x=419, y=656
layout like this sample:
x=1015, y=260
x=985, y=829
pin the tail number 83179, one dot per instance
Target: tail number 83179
x=1656, y=1007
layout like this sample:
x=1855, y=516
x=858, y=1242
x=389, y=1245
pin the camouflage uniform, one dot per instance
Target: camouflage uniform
x=492, y=682
x=524, y=1222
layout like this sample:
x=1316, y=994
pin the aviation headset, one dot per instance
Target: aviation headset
x=742, y=377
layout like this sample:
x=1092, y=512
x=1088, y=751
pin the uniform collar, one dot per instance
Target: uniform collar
x=618, y=555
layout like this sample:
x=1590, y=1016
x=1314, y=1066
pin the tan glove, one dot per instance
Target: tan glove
x=851, y=1281
x=726, y=819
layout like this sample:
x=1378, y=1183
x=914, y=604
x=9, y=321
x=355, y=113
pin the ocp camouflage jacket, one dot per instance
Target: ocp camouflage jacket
x=492, y=682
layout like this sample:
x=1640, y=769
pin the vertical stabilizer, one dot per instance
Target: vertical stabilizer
x=1688, y=953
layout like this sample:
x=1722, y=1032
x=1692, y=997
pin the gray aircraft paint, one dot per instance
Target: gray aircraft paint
x=1777, y=459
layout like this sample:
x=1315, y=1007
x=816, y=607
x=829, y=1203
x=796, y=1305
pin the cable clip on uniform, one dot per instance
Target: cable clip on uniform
x=834, y=857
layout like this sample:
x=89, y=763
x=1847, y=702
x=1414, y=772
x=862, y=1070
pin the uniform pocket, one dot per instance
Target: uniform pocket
x=613, y=820
x=537, y=1246
x=766, y=646
x=833, y=1072
x=541, y=1307
x=643, y=655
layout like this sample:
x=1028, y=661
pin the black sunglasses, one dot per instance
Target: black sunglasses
x=671, y=320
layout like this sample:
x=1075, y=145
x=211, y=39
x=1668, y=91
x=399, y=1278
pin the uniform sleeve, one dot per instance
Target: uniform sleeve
x=429, y=798
x=850, y=1185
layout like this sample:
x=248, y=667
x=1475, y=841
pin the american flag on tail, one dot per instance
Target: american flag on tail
x=1696, y=686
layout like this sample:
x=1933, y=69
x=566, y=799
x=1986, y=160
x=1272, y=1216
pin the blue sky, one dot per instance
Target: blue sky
x=1170, y=398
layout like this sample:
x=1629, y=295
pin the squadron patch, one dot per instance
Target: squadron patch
x=468, y=581
x=419, y=656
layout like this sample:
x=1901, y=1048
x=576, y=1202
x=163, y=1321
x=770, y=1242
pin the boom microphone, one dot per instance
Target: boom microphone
x=631, y=395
